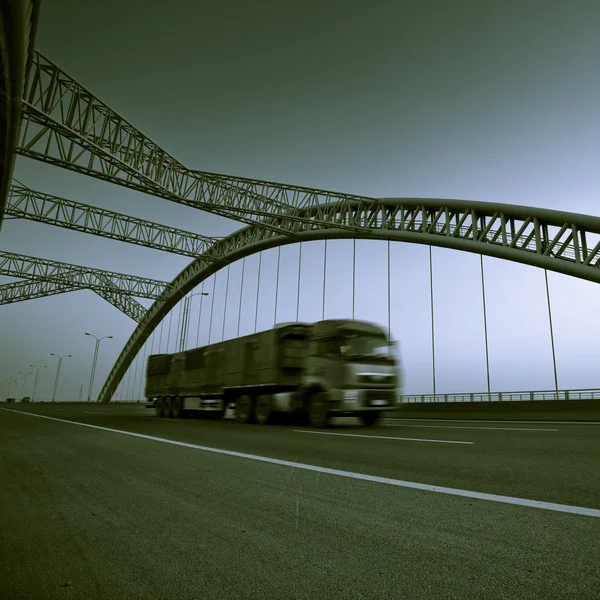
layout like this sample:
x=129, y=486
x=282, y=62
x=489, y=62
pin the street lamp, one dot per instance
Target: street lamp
x=60, y=358
x=186, y=318
x=35, y=381
x=98, y=340
x=25, y=376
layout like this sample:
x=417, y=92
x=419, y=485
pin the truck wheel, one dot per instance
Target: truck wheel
x=177, y=407
x=264, y=410
x=169, y=407
x=159, y=407
x=318, y=415
x=243, y=409
x=370, y=418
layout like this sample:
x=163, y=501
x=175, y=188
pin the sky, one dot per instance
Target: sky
x=482, y=101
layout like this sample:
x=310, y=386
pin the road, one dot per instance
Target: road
x=109, y=502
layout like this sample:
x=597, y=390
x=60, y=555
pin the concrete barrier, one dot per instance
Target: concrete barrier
x=540, y=410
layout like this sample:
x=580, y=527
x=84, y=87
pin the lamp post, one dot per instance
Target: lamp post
x=25, y=376
x=186, y=318
x=60, y=358
x=98, y=340
x=35, y=381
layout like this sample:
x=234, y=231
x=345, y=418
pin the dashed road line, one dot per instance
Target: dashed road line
x=382, y=437
x=467, y=427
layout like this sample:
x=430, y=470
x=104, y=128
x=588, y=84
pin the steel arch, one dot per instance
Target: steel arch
x=567, y=243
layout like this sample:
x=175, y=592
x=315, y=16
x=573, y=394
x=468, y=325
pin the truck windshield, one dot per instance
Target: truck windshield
x=366, y=346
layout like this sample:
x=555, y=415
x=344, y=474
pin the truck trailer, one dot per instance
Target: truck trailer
x=308, y=372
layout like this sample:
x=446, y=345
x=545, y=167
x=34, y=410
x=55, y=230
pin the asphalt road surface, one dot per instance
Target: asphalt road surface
x=139, y=507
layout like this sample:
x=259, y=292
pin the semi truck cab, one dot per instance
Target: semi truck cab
x=355, y=368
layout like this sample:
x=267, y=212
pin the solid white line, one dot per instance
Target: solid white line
x=380, y=437
x=565, y=508
x=466, y=427
x=549, y=422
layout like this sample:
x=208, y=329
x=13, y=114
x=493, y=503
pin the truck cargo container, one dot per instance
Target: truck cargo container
x=310, y=372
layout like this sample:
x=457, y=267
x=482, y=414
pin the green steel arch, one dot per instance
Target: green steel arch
x=18, y=28
x=567, y=243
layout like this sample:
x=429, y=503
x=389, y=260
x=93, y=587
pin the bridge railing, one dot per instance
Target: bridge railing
x=529, y=396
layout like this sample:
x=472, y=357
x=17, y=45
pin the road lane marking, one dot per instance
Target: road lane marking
x=381, y=437
x=548, y=422
x=564, y=508
x=466, y=427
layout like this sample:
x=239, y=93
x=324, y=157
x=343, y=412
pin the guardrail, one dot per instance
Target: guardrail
x=578, y=394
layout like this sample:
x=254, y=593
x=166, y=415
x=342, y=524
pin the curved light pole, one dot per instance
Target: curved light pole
x=98, y=340
x=25, y=376
x=35, y=381
x=60, y=358
x=185, y=324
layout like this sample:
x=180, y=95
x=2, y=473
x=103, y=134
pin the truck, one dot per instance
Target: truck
x=306, y=372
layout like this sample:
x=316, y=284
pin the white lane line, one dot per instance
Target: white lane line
x=380, y=437
x=549, y=422
x=564, y=508
x=467, y=427
x=92, y=412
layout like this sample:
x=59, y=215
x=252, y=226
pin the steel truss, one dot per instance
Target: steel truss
x=65, y=125
x=42, y=287
x=18, y=26
x=51, y=277
x=52, y=210
x=564, y=242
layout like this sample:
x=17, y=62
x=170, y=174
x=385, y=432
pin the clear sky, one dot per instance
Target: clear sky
x=492, y=101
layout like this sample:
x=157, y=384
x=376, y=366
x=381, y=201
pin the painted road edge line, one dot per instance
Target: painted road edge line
x=563, y=508
x=381, y=437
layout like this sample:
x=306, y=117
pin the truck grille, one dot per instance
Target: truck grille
x=376, y=397
x=376, y=379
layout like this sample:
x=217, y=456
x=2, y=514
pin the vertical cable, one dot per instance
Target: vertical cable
x=199, y=315
x=212, y=306
x=143, y=373
x=277, y=284
x=152, y=342
x=432, y=322
x=225, y=308
x=241, y=294
x=129, y=372
x=487, y=354
x=161, y=332
x=353, y=274
x=137, y=362
x=169, y=330
x=389, y=315
x=257, y=290
x=551, y=333
x=299, y=270
x=324, y=277
x=179, y=330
